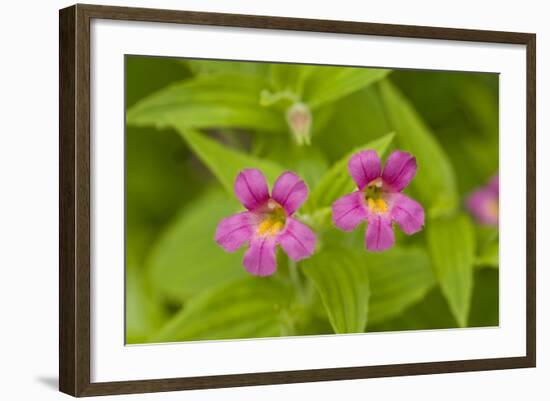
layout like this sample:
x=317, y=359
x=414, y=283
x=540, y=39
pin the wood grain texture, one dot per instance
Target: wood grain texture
x=74, y=199
x=67, y=294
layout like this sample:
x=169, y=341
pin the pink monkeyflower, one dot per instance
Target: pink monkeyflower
x=268, y=222
x=379, y=200
x=483, y=203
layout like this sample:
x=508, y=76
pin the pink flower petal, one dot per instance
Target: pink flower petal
x=349, y=211
x=483, y=204
x=379, y=233
x=297, y=240
x=494, y=185
x=399, y=170
x=251, y=188
x=406, y=212
x=289, y=191
x=364, y=167
x=234, y=231
x=259, y=259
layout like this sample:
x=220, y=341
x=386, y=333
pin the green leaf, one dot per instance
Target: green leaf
x=306, y=161
x=185, y=259
x=317, y=85
x=355, y=119
x=398, y=278
x=209, y=101
x=340, y=276
x=226, y=163
x=451, y=242
x=488, y=246
x=432, y=312
x=250, y=308
x=328, y=84
x=462, y=110
x=337, y=181
x=435, y=183
x=143, y=312
x=489, y=257
x=290, y=78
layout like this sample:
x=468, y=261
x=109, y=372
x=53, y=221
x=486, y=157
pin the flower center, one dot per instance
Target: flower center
x=273, y=219
x=374, y=197
x=491, y=208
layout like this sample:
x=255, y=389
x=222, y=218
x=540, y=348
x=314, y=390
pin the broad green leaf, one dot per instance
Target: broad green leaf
x=340, y=276
x=432, y=312
x=250, y=308
x=398, y=278
x=290, y=78
x=143, y=312
x=317, y=85
x=328, y=84
x=337, y=181
x=209, y=101
x=451, y=242
x=461, y=108
x=224, y=162
x=186, y=260
x=435, y=183
x=355, y=120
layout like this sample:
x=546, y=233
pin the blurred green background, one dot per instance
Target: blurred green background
x=192, y=125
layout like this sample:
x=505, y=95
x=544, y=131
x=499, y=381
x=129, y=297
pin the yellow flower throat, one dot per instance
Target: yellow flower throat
x=273, y=220
x=374, y=198
x=492, y=208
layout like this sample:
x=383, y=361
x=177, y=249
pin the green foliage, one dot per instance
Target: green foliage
x=185, y=260
x=340, y=275
x=144, y=312
x=228, y=100
x=489, y=257
x=485, y=307
x=138, y=76
x=451, y=242
x=193, y=125
x=251, y=307
x=399, y=277
x=226, y=163
x=462, y=111
x=360, y=118
x=209, y=67
x=158, y=162
x=337, y=181
x=434, y=183
x=487, y=247
x=432, y=312
x=329, y=84
x=319, y=85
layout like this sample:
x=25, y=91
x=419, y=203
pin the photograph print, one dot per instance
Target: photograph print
x=269, y=200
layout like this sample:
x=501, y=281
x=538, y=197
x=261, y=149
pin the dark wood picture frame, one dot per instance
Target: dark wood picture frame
x=74, y=204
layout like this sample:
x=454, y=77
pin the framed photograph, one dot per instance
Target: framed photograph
x=250, y=200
